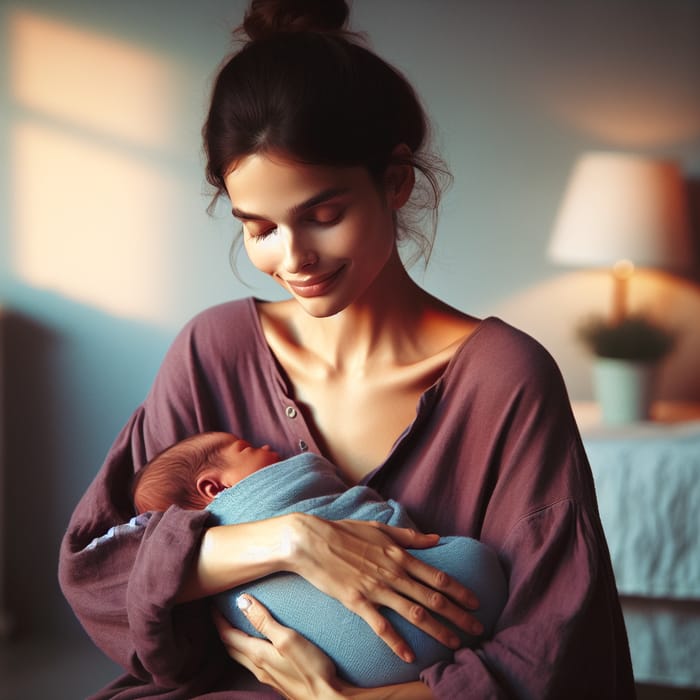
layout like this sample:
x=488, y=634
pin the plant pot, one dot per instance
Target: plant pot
x=623, y=389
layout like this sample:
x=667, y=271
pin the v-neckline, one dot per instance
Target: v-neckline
x=279, y=375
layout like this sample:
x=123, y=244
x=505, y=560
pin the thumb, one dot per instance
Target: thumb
x=256, y=613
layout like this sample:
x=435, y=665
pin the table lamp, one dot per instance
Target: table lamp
x=619, y=211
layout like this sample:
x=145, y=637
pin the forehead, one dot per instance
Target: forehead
x=260, y=181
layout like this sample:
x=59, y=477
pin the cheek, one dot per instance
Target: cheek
x=264, y=256
x=378, y=240
x=372, y=234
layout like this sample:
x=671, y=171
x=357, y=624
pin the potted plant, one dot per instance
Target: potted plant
x=627, y=355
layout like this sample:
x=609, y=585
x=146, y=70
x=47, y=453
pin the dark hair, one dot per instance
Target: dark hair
x=170, y=477
x=305, y=86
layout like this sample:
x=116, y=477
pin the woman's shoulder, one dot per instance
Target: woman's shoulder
x=505, y=355
x=231, y=324
x=238, y=311
x=493, y=337
x=216, y=337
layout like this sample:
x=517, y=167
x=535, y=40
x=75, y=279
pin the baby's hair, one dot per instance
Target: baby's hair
x=171, y=476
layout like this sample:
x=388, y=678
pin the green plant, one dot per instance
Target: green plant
x=635, y=338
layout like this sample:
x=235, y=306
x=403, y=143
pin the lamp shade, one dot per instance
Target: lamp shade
x=621, y=206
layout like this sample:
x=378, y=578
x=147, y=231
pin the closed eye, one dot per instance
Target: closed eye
x=261, y=235
x=325, y=215
x=256, y=229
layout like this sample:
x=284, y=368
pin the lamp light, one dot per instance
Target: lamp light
x=622, y=210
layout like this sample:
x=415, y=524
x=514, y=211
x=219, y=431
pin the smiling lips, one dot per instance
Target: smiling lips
x=316, y=286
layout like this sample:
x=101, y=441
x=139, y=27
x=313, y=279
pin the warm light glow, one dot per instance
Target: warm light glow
x=623, y=269
x=553, y=309
x=89, y=201
x=641, y=120
x=90, y=81
x=88, y=222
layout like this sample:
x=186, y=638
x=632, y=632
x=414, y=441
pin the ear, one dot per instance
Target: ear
x=399, y=177
x=209, y=484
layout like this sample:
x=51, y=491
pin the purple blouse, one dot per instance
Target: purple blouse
x=493, y=453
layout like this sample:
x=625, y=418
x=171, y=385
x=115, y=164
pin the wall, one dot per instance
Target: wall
x=106, y=247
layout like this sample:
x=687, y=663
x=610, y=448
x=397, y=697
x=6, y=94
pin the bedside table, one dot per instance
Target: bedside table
x=588, y=417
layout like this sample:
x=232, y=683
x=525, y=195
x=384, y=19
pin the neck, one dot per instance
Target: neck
x=379, y=328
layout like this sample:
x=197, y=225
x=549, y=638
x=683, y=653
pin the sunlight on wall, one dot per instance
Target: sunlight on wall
x=86, y=220
x=90, y=81
x=90, y=209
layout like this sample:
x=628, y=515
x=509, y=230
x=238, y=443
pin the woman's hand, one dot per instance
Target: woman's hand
x=364, y=565
x=292, y=665
x=288, y=662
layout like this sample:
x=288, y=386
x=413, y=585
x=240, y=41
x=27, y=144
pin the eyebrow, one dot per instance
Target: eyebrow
x=311, y=202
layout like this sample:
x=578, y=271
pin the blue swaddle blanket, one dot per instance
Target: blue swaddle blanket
x=309, y=483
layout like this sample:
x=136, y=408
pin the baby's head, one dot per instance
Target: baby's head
x=191, y=472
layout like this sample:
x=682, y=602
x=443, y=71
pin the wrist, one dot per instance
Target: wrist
x=230, y=555
x=293, y=542
x=404, y=691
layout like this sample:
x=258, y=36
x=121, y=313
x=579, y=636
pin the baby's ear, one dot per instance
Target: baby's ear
x=209, y=485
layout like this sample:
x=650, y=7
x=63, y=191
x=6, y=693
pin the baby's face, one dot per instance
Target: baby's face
x=242, y=459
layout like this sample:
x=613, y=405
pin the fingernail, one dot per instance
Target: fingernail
x=243, y=603
x=477, y=628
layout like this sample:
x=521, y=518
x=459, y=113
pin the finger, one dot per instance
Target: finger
x=285, y=644
x=230, y=636
x=382, y=628
x=427, y=578
x=261, y=618
x=414, y=600
x=408, y=537
x=255, y=611
x=422, y=571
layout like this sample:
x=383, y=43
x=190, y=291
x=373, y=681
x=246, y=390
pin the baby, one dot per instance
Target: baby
x=239, y=483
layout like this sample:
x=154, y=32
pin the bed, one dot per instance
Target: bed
x=647, y=478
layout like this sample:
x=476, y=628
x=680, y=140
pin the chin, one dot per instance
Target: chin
x=322, y=306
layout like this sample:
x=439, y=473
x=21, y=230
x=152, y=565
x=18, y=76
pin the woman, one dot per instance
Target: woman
x=318, y=142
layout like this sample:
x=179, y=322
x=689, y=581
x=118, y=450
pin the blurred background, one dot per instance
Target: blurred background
x=106, y=247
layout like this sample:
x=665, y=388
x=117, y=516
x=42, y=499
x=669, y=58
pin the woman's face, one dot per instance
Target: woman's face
x=324, y=233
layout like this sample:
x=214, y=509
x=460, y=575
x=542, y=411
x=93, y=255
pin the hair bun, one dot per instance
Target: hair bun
x=267, y=17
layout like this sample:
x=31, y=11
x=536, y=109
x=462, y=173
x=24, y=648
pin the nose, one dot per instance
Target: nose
x=298, y=251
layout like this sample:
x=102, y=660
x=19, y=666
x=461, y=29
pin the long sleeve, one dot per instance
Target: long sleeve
x=511, y=471
x=557, y=637
x=121, y=573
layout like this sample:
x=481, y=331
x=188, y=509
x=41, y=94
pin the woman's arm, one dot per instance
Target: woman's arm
x=121, y=575
x=128, y=582
x=233, y=554
x=561, y=633
x=363, y=565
